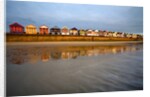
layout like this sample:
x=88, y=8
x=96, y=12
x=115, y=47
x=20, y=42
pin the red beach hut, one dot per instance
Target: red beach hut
x=16, y=28
x=43, y=29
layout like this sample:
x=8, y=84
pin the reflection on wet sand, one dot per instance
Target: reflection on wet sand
x=45, y=57
x=33, y=54
x=56, y=55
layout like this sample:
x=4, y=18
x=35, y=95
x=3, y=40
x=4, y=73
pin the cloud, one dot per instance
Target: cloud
x=115, y=18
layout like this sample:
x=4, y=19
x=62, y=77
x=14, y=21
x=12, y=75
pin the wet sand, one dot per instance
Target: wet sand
x=94, y=69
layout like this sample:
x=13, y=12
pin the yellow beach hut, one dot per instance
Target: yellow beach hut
x=31, y=29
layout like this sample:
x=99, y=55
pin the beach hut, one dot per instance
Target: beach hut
x=129, y=35
x=110, y=34
x=74, y=31
x=140, y=36
x=82, y=32
x=65, y=31
x=122, y=34
x=105, y=33
x=95, y=32
x=31, y=29
x=55, y=31
x=119, y=34
x=89, y=32
x=101, y=33
x=43, y=30
x=16, y=28
x=115, y=34
x=125, y=35
x=134, y=35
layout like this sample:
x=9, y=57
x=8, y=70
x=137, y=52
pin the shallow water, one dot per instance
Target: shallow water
x=49, y=69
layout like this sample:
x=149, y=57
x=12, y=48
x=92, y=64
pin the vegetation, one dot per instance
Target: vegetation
x=50, y=38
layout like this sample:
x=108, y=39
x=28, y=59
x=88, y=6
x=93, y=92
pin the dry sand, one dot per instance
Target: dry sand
x=73, y=43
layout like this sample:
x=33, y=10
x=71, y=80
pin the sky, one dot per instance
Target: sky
x=85, y=16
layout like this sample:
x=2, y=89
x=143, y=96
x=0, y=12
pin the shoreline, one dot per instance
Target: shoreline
x=75, y=43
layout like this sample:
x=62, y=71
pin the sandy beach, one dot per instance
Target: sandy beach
x=74, y=43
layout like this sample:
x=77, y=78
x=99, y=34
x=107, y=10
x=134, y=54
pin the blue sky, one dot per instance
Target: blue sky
x=102, y=17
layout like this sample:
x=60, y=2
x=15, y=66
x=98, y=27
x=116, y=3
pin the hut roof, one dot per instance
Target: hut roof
x=16, y=24
x=82, y=30
x=74, y=28
x=65, y=27
x=96, y=30
x=90, y=30
x=55, y=28
x=31, y=25
x=110, y=32
x=43, y=26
